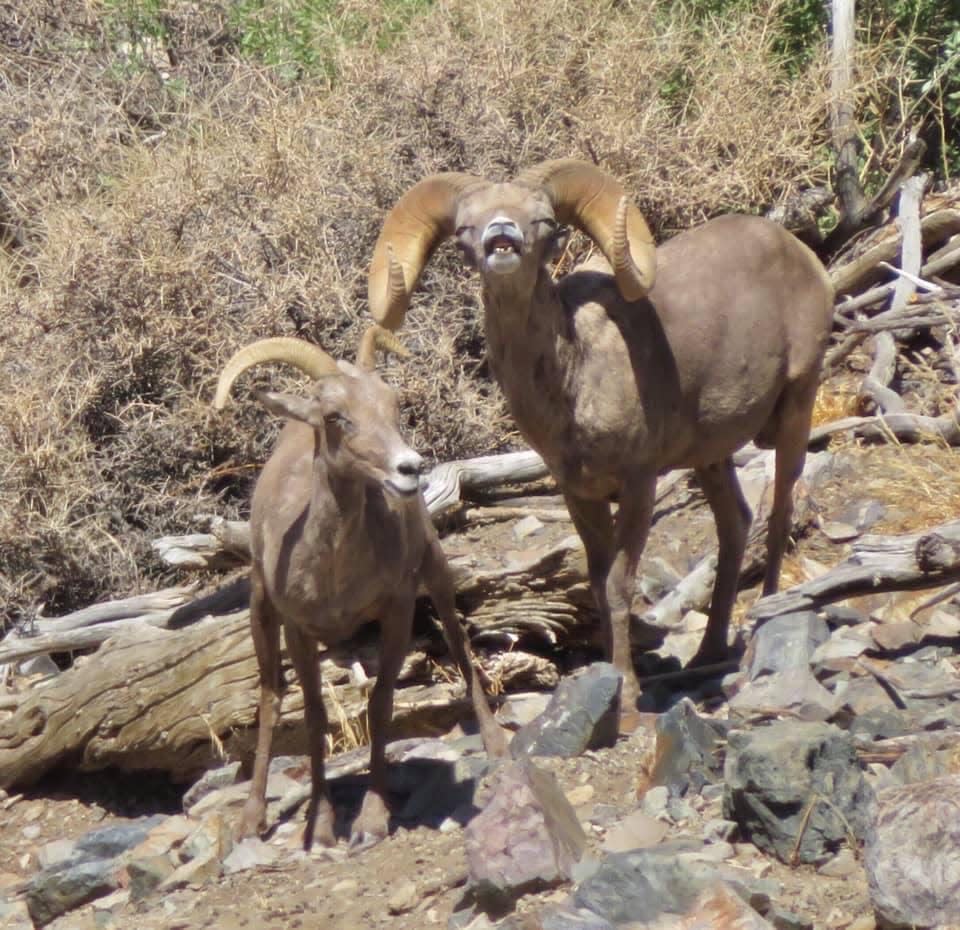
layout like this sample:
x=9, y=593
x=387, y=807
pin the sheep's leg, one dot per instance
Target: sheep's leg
x=732, y=516
x=613, y=550
x=793, y=432
x=436, y=577
x=631, y=528
x=372, y=823
x=265, y=627
x=302, y=649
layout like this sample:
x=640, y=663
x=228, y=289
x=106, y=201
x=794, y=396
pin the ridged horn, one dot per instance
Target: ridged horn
x=585, y=196
x=419, y=220
x=307, y=357
x=376, y=337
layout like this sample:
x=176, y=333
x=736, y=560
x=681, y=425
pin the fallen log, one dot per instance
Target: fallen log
x=228, y=542
x=180, y=704
x=92, y=626
x=876, y=383
x=877, y=564
x=901, y=427
x=935, y=227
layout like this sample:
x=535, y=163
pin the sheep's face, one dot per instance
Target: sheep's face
x=507, y=230
x=357, y=421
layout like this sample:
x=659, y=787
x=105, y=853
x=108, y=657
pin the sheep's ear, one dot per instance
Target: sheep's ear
x=561, y=237
x=348, y=368
x=290, y=406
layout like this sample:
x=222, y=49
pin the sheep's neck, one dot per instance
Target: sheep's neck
x=533, y=356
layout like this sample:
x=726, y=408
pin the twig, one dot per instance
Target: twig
x=937, y=598
x=914, y=279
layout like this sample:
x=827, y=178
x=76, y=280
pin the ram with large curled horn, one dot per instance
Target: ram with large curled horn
x=340, y=535
x=645, y=360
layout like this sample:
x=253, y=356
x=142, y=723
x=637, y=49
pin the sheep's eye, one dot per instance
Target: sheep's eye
x=338, y=420
x=462, y=231
x=548, y=222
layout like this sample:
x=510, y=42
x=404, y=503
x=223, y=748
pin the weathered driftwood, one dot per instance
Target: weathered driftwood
x=167, y=702
x=888, y=750
x=228, y=542
x=935, y=227
x=692, y=593
x=902, y=427
x=84, y=629
x=877, y=564
x=876, y=383
x=843, y=126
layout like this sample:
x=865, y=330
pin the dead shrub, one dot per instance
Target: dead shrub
x=179, y=202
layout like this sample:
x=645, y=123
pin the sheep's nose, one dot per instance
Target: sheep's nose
x=410, y=465
x=502, y=233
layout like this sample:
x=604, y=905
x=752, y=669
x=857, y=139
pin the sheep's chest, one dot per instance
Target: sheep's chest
x=571, y=388
x=336, y=585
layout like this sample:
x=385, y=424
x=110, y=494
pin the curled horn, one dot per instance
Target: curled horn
x=421, y=218
x=586, y=197
x=376, y=337
x=306, y=356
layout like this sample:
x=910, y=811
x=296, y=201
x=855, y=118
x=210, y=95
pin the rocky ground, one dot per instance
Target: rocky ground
x=816, y=786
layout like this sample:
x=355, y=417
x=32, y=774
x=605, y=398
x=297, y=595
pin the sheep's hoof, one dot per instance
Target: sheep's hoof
x=319, y=828
x=253, y=821
x=372, y=824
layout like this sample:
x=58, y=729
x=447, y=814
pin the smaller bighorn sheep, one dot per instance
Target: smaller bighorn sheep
x=651, y=360
x=340, y=535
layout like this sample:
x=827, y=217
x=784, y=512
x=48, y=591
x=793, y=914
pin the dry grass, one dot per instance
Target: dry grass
x=175, y=211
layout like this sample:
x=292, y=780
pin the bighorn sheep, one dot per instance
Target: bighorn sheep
x=340, y=535
x=677, y=358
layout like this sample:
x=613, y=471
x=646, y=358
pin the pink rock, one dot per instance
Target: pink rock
x=526, y=837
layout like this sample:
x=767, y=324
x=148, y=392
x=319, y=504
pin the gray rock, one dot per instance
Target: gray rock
x=844, y=863
x=943, y=622
x=14, y=915
x=212, y=837
x=197, y=871
x=787, y=920
x=944, y=717
x=640, y=886
x=250, y=853
x=844, y=644
x=211, y=780
x=837, y=532
x=107, y=842
x=636, y=831
x=866, y=697
x=786, y=642
x=55, y=891
x=521, y=708
x=862, y=514
x=528, y=526
x=527, y=836
x=55, y=852
x=91, y=871
x=794, y=690
x=921, y=763
x=573, y=919
x=146, y=873
x=837, y=615
x=687, y=750
x=912, y=854
x=719, y=906
x=582, y=714
x=795, y=781
x=719, y=831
